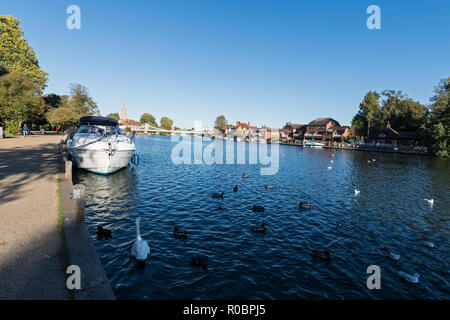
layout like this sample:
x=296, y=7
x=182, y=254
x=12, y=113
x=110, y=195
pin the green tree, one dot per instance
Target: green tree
x=148, y=118
x=80, y=101
x=20, y=99
x=438, y=123
x=166, y=123
x=16, y=54
x=367, y=116
x=79, y=104
x=402, y=112
x=62, y=117
x=114, y=116
x=220, y=122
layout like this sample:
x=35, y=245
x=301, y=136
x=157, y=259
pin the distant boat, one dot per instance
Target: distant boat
x=261, y=140
x=313, y=144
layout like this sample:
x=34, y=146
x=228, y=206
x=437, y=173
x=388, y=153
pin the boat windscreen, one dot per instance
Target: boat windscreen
x=100, y=130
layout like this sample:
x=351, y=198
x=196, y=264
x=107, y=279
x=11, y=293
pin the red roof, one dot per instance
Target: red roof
x=130, y=123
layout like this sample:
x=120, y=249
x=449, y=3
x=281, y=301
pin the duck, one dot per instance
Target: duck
x=357, y=192
x=303, y=205
x=103, y=233
x=261, y=228
x=410, y=278
x=258, y=208
x=235, y=189
x=268, y=186
x=245, y=175
x=430, y=201
x=199, y=262
x=221, y=208
x=179, y=234
x=392, y=255
x=218, y=195
x=140, y=249
x=324, y=255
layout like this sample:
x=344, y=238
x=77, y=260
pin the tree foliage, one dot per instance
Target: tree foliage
x=20, y=99
x=166, y=123
x=369, y=111
x=115, y=116
x=62, y=117
x=79, y=104
x=220, y=122
x=438, y=122
x=401, y=112
x=80, y=101
x=148, y=118
x=16, y=54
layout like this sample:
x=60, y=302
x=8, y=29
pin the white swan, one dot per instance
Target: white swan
x=140, y=249
x=410, y=278
x=430, y=201
x=357, y=192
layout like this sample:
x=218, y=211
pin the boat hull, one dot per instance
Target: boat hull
x=101, y=161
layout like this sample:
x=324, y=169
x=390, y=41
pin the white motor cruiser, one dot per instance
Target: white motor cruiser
x=313, y=144
x=99, y=146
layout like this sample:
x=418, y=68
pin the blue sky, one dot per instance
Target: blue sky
x=267, y=62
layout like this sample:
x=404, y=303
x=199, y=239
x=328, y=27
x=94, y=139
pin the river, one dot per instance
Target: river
x=390, y=211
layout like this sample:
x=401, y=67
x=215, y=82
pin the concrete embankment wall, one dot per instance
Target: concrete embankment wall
x=80, y=247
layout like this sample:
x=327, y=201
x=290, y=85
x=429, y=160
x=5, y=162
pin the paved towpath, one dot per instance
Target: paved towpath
x=31, y=259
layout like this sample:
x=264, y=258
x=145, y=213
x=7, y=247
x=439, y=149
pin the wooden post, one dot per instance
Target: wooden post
x=68, y=170
x=78, y=194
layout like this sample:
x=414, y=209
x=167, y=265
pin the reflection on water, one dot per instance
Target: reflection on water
x=389, y=212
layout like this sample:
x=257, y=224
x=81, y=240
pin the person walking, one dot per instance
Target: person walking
x=25, y=130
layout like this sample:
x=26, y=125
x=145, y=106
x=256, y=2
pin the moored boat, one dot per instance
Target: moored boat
x=100, y=146
x=313, y=144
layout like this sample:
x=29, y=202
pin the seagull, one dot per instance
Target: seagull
x=410, y=278
x=357, y=192
x=430, y=201
x=429, y=244
x=329, y=168
x=331, y=161
x=140, y=249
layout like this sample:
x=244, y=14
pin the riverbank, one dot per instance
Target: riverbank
x=37, y=237
x=31, y=256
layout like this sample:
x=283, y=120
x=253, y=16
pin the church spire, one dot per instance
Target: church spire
x=123, y=112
